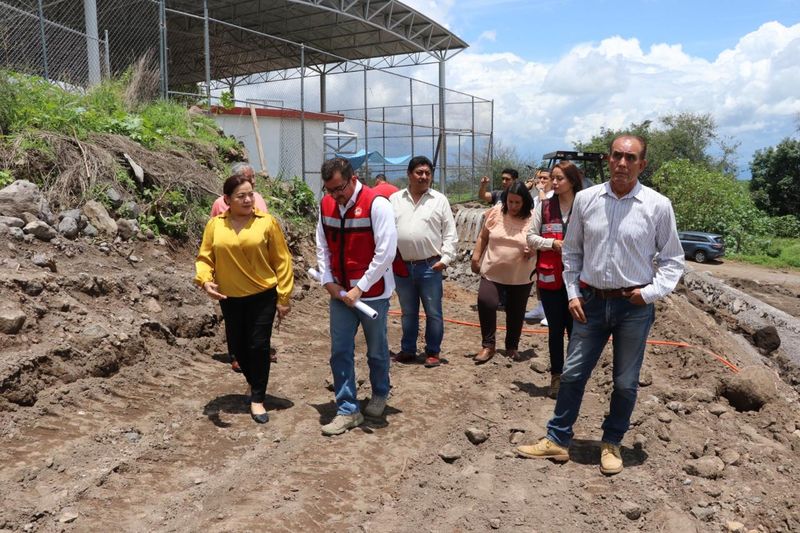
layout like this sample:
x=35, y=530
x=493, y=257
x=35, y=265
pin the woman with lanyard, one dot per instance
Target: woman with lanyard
x=244, y=263
x=504, y=261
x=546, y=234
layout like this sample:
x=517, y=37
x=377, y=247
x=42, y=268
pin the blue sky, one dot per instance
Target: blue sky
x=559, y=70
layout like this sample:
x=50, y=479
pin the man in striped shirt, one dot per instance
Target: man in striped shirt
x=621, y=254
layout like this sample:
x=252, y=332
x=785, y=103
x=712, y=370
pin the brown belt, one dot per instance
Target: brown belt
x=610, y=294
x=433, y=258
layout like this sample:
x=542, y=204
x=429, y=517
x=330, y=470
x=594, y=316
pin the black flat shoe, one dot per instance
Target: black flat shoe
x=260, y=419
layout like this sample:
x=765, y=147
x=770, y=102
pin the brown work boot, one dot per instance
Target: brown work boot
x=544, y=449
x=610, y=459
x=555, y=383
x=484, y=355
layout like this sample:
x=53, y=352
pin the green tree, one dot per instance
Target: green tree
x=686, y=136
x=709, y=200
x=775, y=182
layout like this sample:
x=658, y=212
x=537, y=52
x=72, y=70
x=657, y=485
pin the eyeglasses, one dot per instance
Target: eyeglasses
x=336, y=190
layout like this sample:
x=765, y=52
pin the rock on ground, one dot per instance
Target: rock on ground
x=750, y=389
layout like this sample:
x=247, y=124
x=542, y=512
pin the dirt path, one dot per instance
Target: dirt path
x=163, y=440
x=779, y=288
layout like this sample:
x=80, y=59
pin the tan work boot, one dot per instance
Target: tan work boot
x=544, y=449
x=555, y=383
x=342, y=423
x=610, y=459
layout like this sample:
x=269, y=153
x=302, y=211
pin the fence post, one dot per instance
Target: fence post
x=107, y=56
x=207, y=47
x=44, y=41
x=92, y=41
x=162, y=47
x=303, y=111
x=442, y=128
x=366, y=127
x=411, y=99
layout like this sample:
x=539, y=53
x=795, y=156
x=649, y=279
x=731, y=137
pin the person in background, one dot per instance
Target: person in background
x=543, y=185
x=240, y=169
x=356, y=242
x=546, y=234
x=621, y=254
x=383, y=187
x=220, y=206
x=426, y=239
x=504, y=260
x=244, y=263
x=508, y=175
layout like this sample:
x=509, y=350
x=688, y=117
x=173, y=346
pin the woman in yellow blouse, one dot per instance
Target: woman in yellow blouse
x=245, y=264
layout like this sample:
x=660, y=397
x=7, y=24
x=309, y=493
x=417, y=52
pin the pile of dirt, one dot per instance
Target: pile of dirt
x=118, y=410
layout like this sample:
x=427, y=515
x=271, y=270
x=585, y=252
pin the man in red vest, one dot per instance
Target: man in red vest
x=356, y=243
x=383, y=187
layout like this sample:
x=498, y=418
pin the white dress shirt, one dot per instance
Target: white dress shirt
x=426, y=228
x=385, y=235
x=612, y=242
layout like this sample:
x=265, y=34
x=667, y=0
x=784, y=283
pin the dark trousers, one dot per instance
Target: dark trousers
x=248, y=327
x=489, y=299
x=559, y=319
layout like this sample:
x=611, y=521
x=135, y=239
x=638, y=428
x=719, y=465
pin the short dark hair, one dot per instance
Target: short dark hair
x=521, y=190
x=337, y=164
x=234, y=181
x=380, y=177
x=642, y=154
x=419, y=161
x=572, y=173
x=511, y=172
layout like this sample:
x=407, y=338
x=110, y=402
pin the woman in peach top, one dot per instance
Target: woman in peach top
x=504, y=261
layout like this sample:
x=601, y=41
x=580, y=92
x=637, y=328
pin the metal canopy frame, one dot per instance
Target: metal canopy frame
x=378, y=34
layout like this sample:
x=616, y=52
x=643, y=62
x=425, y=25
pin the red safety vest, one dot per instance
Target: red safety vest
x=351, y=241
x=549, y=267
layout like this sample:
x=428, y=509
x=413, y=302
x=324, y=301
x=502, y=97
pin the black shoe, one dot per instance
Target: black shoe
x=260, y=419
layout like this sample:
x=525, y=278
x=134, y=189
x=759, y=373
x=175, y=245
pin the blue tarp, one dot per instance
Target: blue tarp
x=375, y=158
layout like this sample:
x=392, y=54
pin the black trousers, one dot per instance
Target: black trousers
x=489, y=299
x=559, y=319
x=248, y=327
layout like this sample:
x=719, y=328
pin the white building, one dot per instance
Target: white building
x=281, y=142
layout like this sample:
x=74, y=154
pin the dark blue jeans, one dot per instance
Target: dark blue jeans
x=629, y=324
x=422, y=284
x=344, y=322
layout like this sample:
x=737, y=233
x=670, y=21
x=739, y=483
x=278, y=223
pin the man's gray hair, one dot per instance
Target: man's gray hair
x=242, y=168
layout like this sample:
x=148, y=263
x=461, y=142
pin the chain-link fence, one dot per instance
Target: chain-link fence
x=303, y=105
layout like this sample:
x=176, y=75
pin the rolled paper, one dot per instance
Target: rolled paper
x=361, y=306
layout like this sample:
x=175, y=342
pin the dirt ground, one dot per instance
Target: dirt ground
x=779, y=288
x=118, y=411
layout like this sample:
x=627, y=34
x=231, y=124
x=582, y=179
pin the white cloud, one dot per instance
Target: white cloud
x=540, y=106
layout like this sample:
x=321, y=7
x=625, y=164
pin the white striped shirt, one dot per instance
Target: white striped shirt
x=612, y=243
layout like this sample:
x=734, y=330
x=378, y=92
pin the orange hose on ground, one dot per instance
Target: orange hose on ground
x=676, y=344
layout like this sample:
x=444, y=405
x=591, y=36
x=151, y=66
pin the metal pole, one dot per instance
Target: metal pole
x=366, y=126
x=433, y=137
x=473, y=140
x=442, y=127
x=166, y=47
x=44, y=41
x=411, y=98
x=383, y=136
x=207, y=49
x=92, y=41
x=303, y=111
x=162, y=45
x=322, y=92
x=491, y=145
x=107, y=55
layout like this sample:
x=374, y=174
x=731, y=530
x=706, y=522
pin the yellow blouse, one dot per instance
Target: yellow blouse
x=252, y=261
